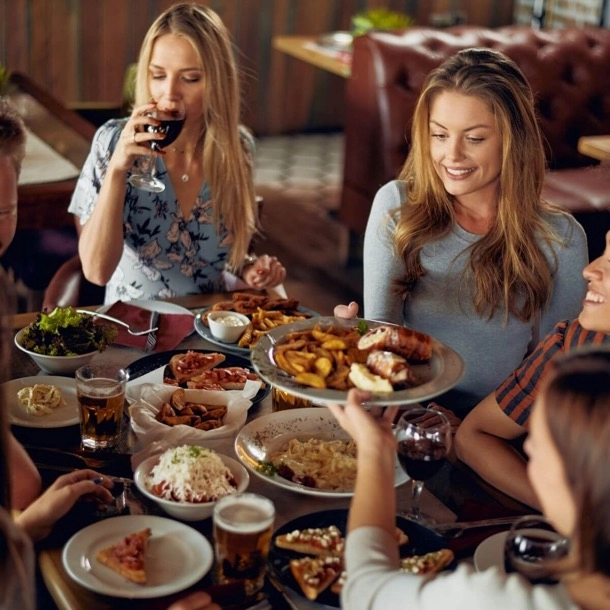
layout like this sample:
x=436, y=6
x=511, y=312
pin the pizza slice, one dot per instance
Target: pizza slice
x=313, y=541
x=190, y=364
x=430, y=563
x=315, y=574
x=127, y=556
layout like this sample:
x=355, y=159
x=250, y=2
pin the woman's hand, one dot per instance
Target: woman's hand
x=135, y=140
x=371, y=429
x=265, y=272
x=346, y=311
x=199, y=600
x=39, y=518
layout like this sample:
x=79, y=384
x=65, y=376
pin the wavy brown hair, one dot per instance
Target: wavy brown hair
x=577, y=413
x=227, y=165
x=507, y=265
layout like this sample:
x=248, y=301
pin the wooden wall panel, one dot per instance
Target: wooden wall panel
x=78, y=49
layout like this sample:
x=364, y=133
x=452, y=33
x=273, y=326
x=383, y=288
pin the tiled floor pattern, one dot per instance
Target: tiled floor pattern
x=300, y=178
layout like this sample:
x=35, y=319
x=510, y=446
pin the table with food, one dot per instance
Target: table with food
x=183, y=404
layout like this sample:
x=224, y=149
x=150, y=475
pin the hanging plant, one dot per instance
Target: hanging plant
x=380, y=19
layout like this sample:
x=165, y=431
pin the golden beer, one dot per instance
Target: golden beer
x=282, y=400
x=243, y=524
x=101, y=399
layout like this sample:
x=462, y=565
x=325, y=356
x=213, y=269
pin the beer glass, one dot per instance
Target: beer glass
x=534, y=549
x=100, y=391
x=243, y=524
x=282, y=400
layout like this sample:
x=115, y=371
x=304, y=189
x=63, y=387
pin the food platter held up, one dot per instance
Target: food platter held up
x=431, y=378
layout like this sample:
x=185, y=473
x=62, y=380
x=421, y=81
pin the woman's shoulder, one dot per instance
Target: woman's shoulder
x=391, y=195
x=564, y=224
x=110, y=131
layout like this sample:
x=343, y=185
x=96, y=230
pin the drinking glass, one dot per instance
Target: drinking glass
x=533, y=548
x=171, y=126
x=100, y=392
x=424, y=439
x=243, y=525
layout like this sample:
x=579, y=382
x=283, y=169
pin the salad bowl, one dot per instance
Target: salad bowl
x=62, y=341
x=56, y=365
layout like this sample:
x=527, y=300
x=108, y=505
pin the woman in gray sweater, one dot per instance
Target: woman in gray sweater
x=462, y=246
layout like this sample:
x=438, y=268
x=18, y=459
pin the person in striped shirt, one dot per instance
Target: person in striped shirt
x=487, y=440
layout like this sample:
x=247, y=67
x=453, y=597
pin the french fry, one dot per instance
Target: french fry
x=323, y=367
x=311, y=379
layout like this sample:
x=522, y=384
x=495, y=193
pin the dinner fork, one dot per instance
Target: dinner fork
x=136, y=333
x=151, y=340
x=453, y=530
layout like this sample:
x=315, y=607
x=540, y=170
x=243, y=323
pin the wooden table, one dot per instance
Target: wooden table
x=597, y=147
x=306, y=49
x=45, y=205
x=457, y=491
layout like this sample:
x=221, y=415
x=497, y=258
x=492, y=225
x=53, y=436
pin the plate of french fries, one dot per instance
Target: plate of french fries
x=315, y=359
x=261, y=321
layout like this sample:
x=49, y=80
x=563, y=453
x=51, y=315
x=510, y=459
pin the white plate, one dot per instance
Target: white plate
x=159, y=307
x=66, y=415
x=204, y=331
x=268, y=433
x=443, y=371
x=177, y=556
x=490, y=553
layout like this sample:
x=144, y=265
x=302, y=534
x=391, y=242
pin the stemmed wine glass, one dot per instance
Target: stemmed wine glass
x=171, y=122
x=424, y=440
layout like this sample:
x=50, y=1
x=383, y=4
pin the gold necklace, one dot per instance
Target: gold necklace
x=185, y=175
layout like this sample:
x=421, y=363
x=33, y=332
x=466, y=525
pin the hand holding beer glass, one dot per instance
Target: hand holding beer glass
x=100, y=390
x=243, y=524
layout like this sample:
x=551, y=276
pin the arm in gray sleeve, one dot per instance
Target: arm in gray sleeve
x=569, y=285
x=381, y=265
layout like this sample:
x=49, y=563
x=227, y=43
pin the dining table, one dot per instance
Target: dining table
x=455, y=493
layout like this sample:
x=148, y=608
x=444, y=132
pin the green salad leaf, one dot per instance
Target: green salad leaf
x=362, y=327
x=65, y=332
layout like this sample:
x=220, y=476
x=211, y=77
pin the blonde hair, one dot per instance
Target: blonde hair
x=507, y=266
x=226, y=162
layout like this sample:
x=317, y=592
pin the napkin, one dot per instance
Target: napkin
x=155, y=436
x=172, y=327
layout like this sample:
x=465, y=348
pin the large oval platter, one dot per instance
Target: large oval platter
x=437, y=376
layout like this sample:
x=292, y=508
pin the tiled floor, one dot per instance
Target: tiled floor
x=300, y=179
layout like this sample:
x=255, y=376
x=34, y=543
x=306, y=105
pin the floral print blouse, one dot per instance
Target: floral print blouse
x=164, y=253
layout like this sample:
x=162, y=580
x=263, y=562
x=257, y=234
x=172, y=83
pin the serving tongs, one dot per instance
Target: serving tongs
x=135, y=333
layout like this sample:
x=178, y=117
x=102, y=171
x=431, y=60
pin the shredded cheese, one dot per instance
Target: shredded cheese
x=40, y=399
x=191, y=474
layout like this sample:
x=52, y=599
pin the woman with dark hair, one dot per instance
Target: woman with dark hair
x=569, y=459
x=461, y=246
x=144, y=245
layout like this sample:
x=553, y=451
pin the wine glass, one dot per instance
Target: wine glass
x=171, y=122
x=423, y=441
x=534, y=548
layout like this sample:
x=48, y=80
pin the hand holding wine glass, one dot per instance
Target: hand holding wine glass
x=423, y=441
x=166, y=119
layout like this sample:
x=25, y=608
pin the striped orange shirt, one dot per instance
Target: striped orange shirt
x=517, y=393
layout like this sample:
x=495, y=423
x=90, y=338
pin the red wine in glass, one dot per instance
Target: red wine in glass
x=421, y=459
x=423, y=439
x=170, y=124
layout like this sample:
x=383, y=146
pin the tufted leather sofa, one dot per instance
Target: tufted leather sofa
x=568, y=69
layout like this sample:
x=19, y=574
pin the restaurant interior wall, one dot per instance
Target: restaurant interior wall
x=78, y=50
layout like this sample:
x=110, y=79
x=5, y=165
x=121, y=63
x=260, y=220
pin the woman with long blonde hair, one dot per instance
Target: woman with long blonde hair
x=461, y=245
x=145, y=245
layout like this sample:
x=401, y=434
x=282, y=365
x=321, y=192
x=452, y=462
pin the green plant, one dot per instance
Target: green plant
x=379, y=19
x=5, y=77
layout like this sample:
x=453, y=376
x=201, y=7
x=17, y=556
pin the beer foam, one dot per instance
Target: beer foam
x=244, y=516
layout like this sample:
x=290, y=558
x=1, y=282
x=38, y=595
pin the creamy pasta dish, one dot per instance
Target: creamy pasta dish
x=323, y=464
x=40, y=399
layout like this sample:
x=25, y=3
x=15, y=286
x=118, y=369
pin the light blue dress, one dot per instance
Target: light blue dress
x=164, y=253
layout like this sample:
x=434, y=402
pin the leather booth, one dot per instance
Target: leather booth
x=568, y=69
